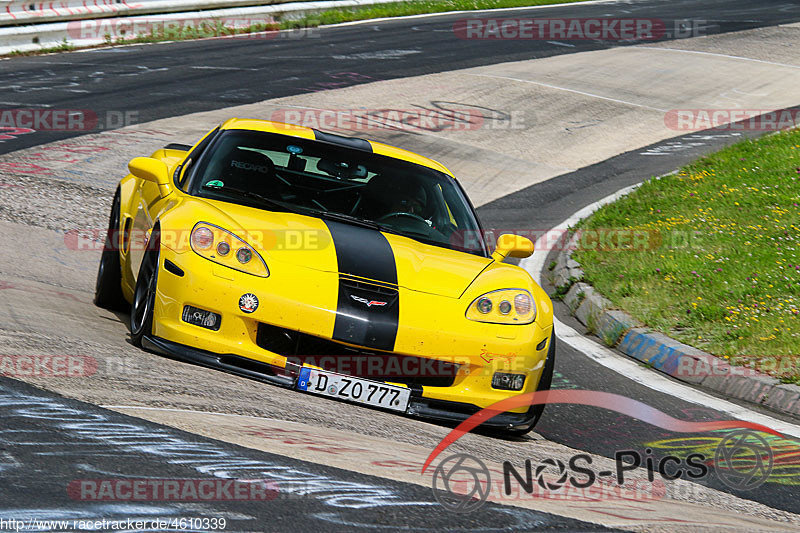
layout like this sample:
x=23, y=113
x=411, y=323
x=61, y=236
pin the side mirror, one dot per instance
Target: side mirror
x=510, y=245
x=152, y=170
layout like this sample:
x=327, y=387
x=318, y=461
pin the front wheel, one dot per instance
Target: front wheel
x=144, y=297
x=545, y=381
x=108, y=288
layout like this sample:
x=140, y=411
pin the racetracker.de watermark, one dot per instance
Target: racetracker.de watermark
x=65, y=119
x=597, y=239
x=451, y=118
x=116, y=29
x=48, y=366
x=572, y=29
x=173, y=523
x=172, y=490
x=702, y=366
x=732, y=119
x=180, y=240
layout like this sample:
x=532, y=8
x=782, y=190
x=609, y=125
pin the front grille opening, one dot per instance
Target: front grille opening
x=333, y=356
x=383, y=289
x=451, y=407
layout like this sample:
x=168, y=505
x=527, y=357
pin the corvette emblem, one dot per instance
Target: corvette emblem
x=368, y=303
x=248, y=302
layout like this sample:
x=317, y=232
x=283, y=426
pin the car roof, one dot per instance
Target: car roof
x=356, y=143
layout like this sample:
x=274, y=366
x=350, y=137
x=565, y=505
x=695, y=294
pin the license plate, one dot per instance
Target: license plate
x=353, y=389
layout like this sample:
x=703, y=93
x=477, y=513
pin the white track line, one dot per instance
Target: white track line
x=591, y=95
x=716, y=55
x=628, y=367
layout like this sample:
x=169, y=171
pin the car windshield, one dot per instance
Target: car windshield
x=282, y=173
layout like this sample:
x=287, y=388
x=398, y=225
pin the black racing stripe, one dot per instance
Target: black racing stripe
x=341, y=140
x=365, y=253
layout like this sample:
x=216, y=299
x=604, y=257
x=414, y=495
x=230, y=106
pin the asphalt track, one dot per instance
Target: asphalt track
x=174, y=79
x=72, y=81
x=58, y=443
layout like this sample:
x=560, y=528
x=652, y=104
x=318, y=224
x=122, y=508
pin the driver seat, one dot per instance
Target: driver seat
x=249, y=170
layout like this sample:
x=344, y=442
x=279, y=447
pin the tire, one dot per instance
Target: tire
x=144, y=295
x=545, y=381
x=108, y=288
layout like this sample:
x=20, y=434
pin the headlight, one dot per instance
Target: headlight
x=215, y=244
x=506, y=306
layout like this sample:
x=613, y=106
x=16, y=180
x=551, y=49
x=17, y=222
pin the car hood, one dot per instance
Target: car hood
x=343, y=248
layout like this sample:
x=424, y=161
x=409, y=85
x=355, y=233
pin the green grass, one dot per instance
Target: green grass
x=214, y=28
x=210, y=28
x=62, y=47
x=720, y=268
x=401, y=9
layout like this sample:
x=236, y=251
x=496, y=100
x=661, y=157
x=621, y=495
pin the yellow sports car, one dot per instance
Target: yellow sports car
x=332, y=265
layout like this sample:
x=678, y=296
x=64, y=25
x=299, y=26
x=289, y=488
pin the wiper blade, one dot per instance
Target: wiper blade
x=348, y=219
x=255, y=196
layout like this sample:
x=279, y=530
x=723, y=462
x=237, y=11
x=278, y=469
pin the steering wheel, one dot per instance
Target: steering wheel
x=402, y=214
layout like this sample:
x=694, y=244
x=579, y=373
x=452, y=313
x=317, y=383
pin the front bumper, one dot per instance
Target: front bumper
x=300, y=302
x=287, y=377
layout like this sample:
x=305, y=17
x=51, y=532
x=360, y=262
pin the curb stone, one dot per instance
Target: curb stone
x=683, y=362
